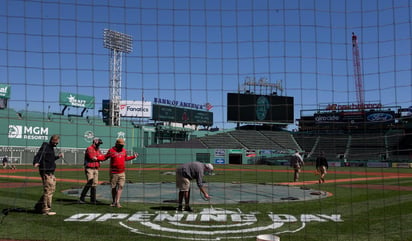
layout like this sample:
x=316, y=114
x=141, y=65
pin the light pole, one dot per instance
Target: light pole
x=118, y=43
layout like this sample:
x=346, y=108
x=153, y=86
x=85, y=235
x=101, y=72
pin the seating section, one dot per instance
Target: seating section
x=399, y=145
x=354, y=146
x=192, y=144
x=367, y=146
x=221, y=141
x=282, y=138
x=306, y=141
x=240, y=139
x=335, y=146
x=252, y=139
x=332, y=145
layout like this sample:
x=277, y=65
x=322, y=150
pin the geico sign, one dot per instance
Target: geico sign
x=326, y=118
x=219, y=223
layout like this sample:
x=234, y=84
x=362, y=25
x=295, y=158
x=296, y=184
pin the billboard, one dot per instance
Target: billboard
x=140, y=109
x=75, y=100
x=182, y=115
x=377, y=117
x=368, y=117
x=260, y=108
x=4, y=91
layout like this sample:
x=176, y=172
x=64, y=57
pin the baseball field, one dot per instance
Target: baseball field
x=355, y=203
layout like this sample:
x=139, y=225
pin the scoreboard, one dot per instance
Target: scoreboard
x=181, y=115
x=260, y=108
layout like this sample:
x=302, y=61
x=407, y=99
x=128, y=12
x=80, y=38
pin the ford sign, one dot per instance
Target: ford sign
x=380, y=117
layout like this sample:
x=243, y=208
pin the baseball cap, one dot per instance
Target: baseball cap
x=98, y=140
x=209, y=166
x=120, y=141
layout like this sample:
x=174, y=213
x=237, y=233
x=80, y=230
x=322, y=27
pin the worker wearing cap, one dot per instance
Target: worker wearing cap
x=118, y=157
x=184, y=174
x=92, y=158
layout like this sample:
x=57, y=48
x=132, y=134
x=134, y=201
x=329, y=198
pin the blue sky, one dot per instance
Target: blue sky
x=198, y=51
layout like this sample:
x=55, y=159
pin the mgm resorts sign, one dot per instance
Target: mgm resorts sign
x=28, y=132
x=209, y=224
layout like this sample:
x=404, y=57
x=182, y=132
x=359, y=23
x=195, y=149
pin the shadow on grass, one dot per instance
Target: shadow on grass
x=67, y=201
x=6, y=211
x=164, y=208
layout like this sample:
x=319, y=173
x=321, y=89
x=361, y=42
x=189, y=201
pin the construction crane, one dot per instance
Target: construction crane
x=360, y=96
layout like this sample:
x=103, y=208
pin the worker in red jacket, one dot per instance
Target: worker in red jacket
x=118, y=157
x=92, y=158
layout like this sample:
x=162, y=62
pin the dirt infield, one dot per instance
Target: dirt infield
x=364, y=176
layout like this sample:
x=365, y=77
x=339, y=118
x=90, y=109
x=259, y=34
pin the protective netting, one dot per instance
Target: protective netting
x=158, y=74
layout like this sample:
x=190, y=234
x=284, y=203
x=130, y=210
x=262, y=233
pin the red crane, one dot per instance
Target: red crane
x=357, y=71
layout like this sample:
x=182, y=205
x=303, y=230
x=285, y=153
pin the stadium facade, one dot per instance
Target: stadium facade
x=170, y=133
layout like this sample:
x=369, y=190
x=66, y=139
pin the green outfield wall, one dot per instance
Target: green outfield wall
x=22, y=133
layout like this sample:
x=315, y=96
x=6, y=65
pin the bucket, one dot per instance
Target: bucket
x=267, y=237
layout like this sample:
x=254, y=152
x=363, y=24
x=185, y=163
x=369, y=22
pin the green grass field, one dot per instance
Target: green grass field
x=374, y=209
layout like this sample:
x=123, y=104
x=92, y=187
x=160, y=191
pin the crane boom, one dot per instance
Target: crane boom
x=357, y=71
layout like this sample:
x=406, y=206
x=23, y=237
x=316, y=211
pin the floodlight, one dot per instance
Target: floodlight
x=118, y=43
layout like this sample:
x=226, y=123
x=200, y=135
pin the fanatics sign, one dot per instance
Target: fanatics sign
x=140, y=109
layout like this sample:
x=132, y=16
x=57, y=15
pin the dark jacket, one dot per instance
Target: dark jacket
x=321, y=161
x=46, y=157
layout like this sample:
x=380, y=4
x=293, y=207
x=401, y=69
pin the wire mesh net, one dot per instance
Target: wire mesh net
x=240, y=84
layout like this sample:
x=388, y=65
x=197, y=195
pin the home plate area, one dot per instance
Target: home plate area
x=221, y=193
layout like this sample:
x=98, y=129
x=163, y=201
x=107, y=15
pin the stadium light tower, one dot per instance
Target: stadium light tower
x=118, y=43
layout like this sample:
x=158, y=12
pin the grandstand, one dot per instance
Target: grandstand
x=266, y=141
x=240, y=139
x=354, y=146
x=366, y=146
x=337, y=145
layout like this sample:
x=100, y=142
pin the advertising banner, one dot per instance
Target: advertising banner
x=380, y=116
x=220, y=152
x=327, y=118
x=141, y=109
x=4, y=91
x=75, y=100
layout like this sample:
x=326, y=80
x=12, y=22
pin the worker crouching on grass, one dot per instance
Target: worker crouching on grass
x=45, y=160
x=118, y=157
x=92, y=158
x=184, y=174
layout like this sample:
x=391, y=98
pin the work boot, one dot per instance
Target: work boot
x=188, y=209
x=93, y=195
x=83, y=194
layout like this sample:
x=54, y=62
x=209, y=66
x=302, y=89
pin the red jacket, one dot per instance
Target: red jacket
x=89, y=157
x=118, y=159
